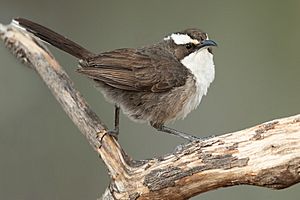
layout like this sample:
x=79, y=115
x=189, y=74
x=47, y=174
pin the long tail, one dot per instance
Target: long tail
x=53, y=38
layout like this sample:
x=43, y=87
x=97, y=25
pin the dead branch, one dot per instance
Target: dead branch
x=266, y=155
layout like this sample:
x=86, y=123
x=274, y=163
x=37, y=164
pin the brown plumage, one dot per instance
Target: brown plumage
x=147, y=92
x=136, y=70
x=149, y=84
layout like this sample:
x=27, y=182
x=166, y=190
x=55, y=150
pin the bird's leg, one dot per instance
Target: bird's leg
x=115, y=131
x=177, y=133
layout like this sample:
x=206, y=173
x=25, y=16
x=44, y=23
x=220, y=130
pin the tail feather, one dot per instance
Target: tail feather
x=53, y=38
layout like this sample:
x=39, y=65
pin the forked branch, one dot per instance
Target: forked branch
x=265, y=155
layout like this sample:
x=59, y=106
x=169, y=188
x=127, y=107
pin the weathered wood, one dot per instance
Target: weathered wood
x=266, y=155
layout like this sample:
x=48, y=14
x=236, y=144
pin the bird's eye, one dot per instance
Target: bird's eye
x=188, y=46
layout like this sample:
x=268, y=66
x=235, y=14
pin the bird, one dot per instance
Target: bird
x=157, y=83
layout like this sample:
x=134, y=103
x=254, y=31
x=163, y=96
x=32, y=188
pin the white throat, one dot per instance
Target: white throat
x=201, y=65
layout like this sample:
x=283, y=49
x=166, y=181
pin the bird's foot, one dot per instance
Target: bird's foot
x=114, y=133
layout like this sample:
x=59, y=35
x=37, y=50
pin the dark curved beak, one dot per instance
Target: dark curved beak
x=207, y=43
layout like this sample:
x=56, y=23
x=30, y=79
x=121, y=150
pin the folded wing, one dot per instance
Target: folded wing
x=136, y=70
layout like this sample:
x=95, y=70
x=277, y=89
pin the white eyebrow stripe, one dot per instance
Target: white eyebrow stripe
x=181, y=39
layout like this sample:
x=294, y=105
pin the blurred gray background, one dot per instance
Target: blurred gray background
x=43, y=155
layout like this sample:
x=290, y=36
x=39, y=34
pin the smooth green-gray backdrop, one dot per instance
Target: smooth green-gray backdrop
x=43, y=155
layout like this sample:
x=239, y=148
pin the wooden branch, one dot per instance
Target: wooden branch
x=266, y=155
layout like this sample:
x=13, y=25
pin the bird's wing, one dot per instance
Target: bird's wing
x=136, y=70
